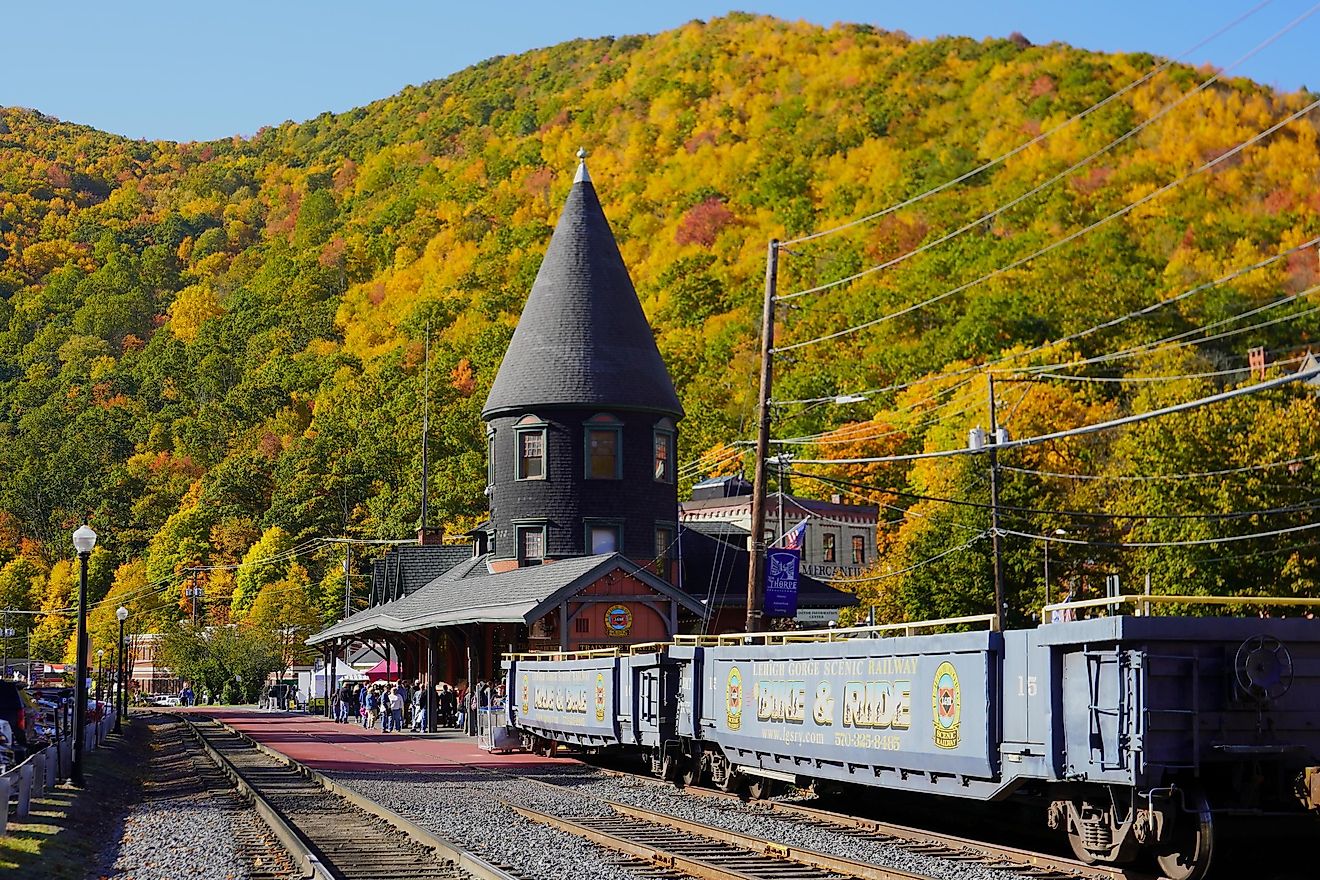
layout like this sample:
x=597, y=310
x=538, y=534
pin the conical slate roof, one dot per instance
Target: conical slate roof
x=583, y=339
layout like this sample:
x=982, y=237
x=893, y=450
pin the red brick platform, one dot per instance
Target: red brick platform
x=324, y=745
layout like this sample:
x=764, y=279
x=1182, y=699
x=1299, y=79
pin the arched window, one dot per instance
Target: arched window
x=529, y=434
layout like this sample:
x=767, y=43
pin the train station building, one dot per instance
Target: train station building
x=583, y=548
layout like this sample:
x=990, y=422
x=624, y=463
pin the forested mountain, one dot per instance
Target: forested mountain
x=214, y=350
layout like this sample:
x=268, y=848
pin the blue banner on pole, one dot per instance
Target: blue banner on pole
x=781, y=582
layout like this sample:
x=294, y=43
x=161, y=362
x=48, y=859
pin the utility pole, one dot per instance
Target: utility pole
x=348, y=580
x=756, y=564
x=194, y=592
x=426, y=426
x=996, y=540
x=779, y=459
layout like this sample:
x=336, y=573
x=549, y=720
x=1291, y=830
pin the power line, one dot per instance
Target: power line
x=1156, y=477
x=1104, y=325
x=1084, y=429
x=1138, y=545
x=1313, y=504
x=915, y=566
x=1014, y=202
x=1037, y=139
x=1072, y=236
x=1211, y=374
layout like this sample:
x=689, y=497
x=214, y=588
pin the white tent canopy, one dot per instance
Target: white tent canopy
x=312, y=684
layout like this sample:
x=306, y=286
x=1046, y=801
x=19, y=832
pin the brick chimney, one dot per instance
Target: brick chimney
x=430, y=536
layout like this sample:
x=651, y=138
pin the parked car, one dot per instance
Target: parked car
x=6, y=746
x=21, y=711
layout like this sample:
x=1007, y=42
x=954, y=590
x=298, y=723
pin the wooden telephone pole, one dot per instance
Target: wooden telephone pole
x=756, y=566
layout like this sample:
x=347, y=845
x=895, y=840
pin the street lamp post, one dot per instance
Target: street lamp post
x=1047, y=566
x=122, y=706
x=100, y=673
x=84, y=539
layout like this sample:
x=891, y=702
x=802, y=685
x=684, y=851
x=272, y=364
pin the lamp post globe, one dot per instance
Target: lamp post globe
x=84, y=541
x=121, y=674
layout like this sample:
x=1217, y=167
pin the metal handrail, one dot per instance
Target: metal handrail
x=1145, y=601
x=835, y=634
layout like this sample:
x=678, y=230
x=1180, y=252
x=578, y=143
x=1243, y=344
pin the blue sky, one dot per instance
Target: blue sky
x=194, y=71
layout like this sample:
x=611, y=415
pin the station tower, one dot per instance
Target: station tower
x=582, y=419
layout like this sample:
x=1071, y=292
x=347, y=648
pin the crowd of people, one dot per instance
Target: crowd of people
x=401, y=705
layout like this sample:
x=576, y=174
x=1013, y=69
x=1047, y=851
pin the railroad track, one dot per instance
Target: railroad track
x=778, y=860
x=333, y=834
x=1028, y=863
x=707, y=853
x=185, y=770
x=985, y=854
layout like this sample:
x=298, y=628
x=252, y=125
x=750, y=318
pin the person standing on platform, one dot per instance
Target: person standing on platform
x=396, y=708
x=373, y=708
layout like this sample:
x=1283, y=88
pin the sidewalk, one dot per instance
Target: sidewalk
x=324, y=745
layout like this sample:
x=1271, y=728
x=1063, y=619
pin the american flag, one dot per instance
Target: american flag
x=792, y=539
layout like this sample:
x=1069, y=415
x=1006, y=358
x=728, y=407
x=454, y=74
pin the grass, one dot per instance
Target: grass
x=66, y=829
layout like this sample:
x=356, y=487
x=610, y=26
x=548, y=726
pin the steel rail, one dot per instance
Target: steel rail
x=294, y=842
x=707, y=854
x=934, y=844
x=813, y=858
x=450, y=858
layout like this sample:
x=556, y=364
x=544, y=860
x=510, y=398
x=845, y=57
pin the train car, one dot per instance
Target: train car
x=572, y=699
x=1137, y=735
x=597, y=701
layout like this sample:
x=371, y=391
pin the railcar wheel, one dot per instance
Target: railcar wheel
x=733, y=783
x=1186, y=854
x=671, y=767
x=691, y=772
x=759, y=788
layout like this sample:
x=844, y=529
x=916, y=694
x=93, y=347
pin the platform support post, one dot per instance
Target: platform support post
x=432, y=677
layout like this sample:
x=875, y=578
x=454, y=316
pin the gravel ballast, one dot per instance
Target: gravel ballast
x=187, y=823
x=463, y=807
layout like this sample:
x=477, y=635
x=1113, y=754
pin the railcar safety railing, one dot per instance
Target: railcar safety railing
x=782, y=637
x=1146, y=603
x=839, y=634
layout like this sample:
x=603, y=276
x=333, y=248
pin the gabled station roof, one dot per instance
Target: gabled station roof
x=471, y=593
x=583, y=339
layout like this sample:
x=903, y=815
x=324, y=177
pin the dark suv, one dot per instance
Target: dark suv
x=21, y=711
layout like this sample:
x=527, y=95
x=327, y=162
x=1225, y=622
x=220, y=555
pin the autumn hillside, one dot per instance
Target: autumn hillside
x=214, y=349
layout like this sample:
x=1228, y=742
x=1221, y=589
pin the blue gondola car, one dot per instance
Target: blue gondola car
x=1134, y=732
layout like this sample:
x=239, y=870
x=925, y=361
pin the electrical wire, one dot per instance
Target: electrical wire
x=1149, y=477
x=1014, y=202
x=1082, y=430
x=1037, y=139
x=1138, y=545
x=1312, y=504
x=1104, y=325
x=1072, y=236
x=915, y=566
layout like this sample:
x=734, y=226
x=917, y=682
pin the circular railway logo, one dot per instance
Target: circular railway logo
x=946, y=702
x=733, y=699
x=618, y=621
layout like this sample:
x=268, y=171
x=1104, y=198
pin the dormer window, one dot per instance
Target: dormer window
x=530, y=437
x=662, y=463
x=602, y=446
